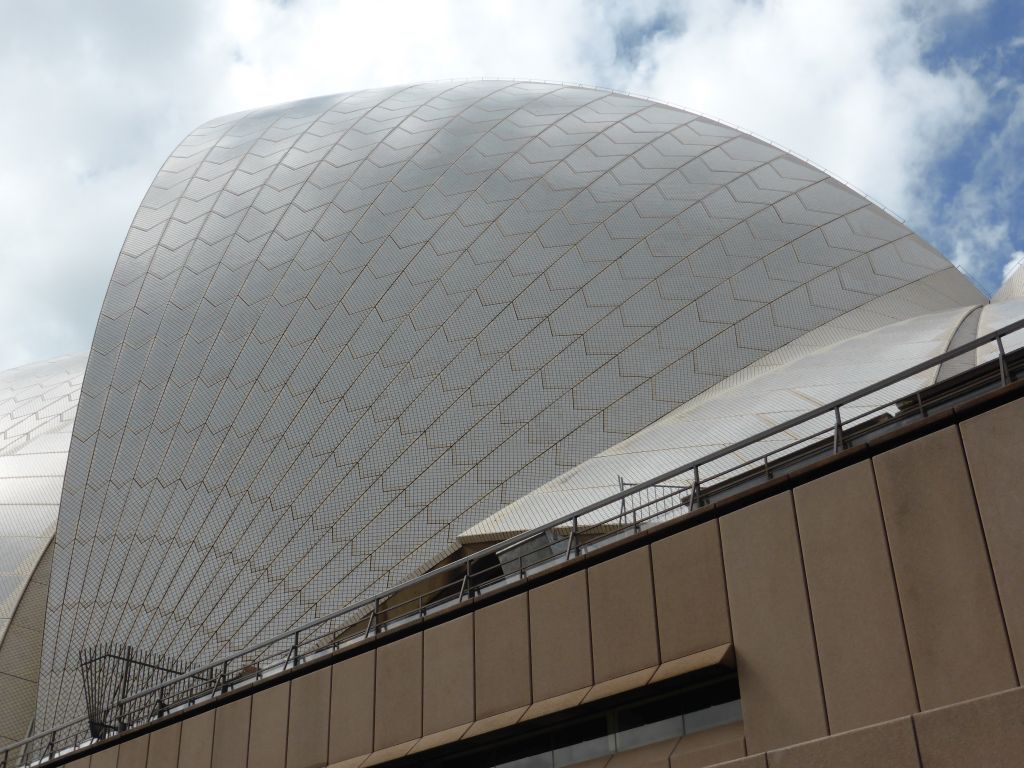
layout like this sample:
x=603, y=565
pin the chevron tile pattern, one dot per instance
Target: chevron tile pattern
x=343, y=330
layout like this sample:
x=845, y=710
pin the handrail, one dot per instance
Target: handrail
x=216, y=678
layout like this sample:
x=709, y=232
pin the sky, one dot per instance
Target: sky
x=919, y=104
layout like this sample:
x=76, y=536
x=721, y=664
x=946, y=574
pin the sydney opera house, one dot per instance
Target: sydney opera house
x=497, y=423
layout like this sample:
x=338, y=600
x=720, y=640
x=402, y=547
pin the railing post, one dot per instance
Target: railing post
x=695, y=488
x=1004, y=372
x=837, y=445
x=572, y=538
x=622, y=501
x=371, y=622
x=295, y=651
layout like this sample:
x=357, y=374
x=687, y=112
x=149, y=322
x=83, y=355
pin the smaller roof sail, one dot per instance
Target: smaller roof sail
x=37, y=410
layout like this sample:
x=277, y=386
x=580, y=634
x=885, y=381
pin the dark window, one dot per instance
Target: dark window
x=656, y=713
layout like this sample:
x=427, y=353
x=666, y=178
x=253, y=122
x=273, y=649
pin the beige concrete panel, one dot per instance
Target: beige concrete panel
x=352, y=684
x=623, y=628
x=105, y=758
x=618, y=685
x=888, y=745
x=388, y=754
x=398, y=703
x=955, y=630
x=268, y=727
x=862, y=649
x=82, y=762
x=994, y=443
x=560, y=637
x=561, y=703
x=448, y=675
x=196, y=746
x=440, y=738
x=719, y=656
x=502, y=656
x=231, y=734
x=689, y=586
x=309, y=719
x=495, y=722
x=771, y=625
x=715, y=745
x=132, y=754
x=985, y=732
x=163, y=747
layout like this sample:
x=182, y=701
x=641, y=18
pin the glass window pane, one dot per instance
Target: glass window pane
x=648, y=734
x=585, y=750
x=720, y=714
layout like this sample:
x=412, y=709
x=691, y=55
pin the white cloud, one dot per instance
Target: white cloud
x=979, y=217
x=843, y=84
x=95, y=103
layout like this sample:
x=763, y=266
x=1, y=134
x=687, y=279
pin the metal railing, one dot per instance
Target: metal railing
x=869, y=412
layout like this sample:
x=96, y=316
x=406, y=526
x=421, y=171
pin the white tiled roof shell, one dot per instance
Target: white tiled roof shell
x=1013, y=285
x=998, y=315
x=37, y=410
x=740, y=407
x=342, y=331
x=1006, y=307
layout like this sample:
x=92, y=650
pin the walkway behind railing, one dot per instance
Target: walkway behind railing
x=870, y=411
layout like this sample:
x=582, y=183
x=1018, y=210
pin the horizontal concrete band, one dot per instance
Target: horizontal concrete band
x=987, y=731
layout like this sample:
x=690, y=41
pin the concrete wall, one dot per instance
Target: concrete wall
x=880, y=593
